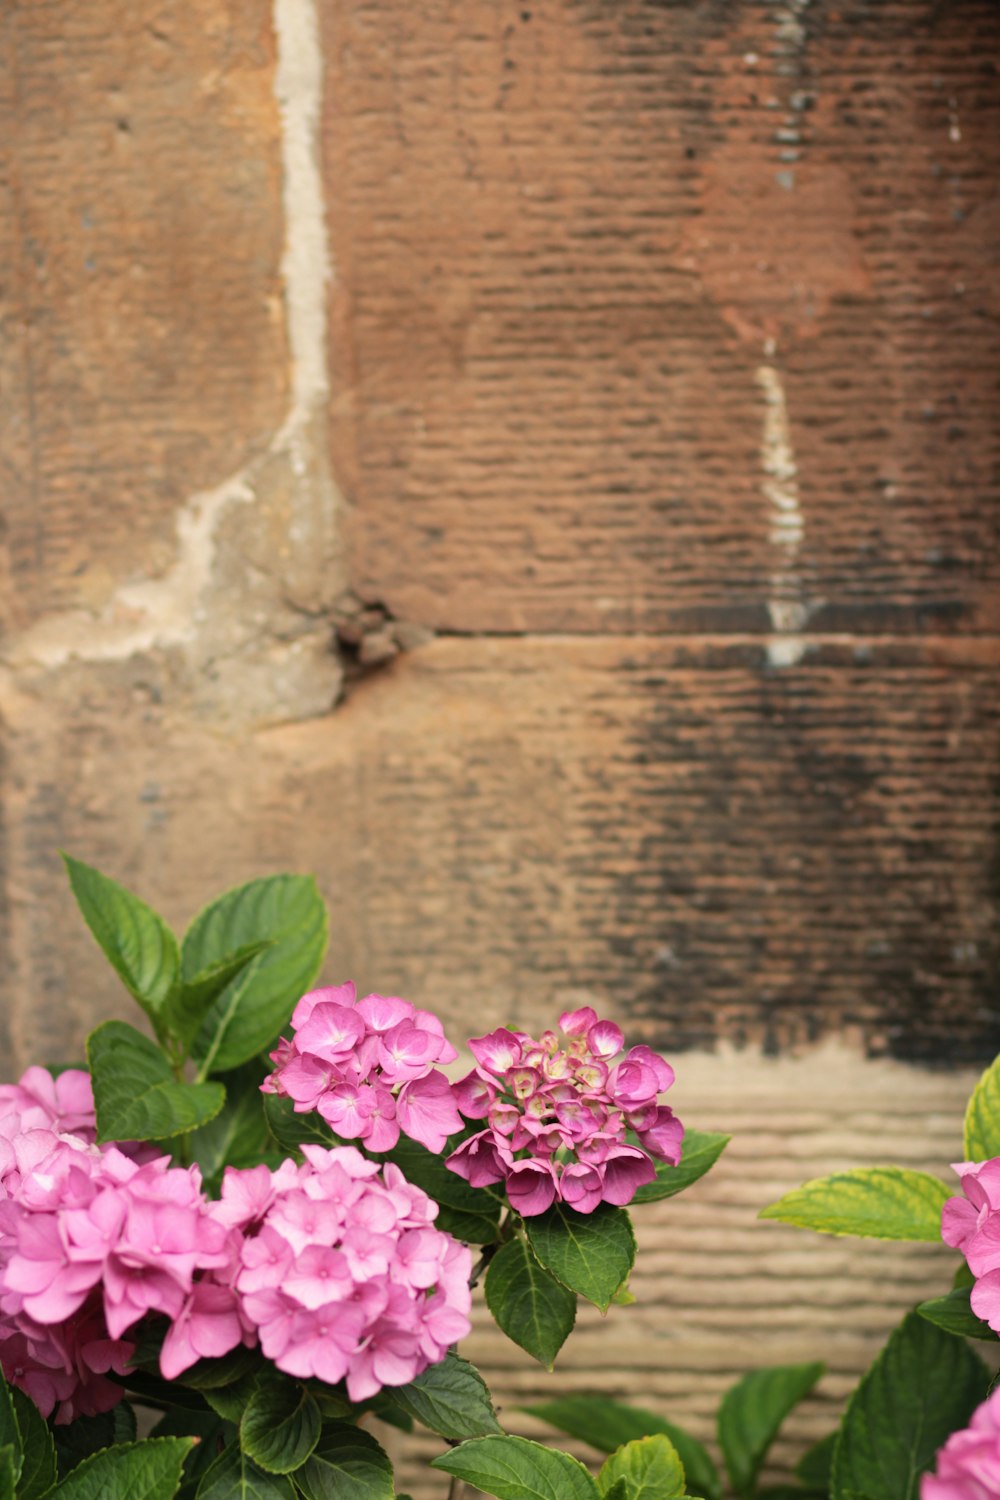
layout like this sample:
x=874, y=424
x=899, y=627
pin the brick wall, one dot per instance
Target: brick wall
x=534, y=465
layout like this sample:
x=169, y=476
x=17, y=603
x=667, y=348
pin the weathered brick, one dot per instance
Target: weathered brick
x=143, y=355
x=565, y=235
x=715, y=849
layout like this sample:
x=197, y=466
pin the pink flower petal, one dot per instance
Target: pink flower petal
x=531, y=1187
x=427, y=1112
x=497, y=1051
x=337, y=994
x=605, y=1039
x=578, y=1022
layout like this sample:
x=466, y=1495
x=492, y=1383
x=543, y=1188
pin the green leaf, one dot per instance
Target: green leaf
x=10, y=1431
x=287, y=912
x=815, y=1466
x=291, y=1130
x=38, y=1460
x=650, y=1468
x=605, y=1425
x=123, y=1423
x=752, y=1411
x=135, y=1093
x=923, y=1386
x=185, y=1006
x=216, y=1374
x=153, y=1391
x=590, y=1253
x=470, y=1214
x=280, y=1427
x=387, y=1411
x=702, y=1149
x=954, y=1314
x=531, y=1307
x=78, y=1440
x=150, y=1470
x=239, y=1134
x=212, y=1435
x=982, y=1117
x=451, y=1399
x=231, y=1401
x=514, y=1468
x=882, y=1203
x=346, y=1463
x=137, y=943
x=789, y=1492
x=8, y=1472
x=235, y=1476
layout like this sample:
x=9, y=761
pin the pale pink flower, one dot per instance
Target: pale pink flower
x=968, y=1466
x=344, y=1275
x=91, y=1240
x=368, y=1067
x=972, y=1225
x=207, y=1326
x=65, y=1104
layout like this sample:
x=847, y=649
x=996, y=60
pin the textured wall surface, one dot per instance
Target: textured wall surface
x=534, y=465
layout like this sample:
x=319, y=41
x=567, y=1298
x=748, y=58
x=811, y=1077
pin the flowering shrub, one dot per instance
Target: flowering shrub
x=264, y=1251
x=260, y=1225
x=921, y=1403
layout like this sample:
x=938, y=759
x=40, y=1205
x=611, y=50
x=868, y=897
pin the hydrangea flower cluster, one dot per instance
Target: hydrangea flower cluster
x=341, y=1271
x=557, y=1110
x=972, y=1225
x=91, y=1239
x=334, y=1265
x=368, y=1068
x=968, y=1466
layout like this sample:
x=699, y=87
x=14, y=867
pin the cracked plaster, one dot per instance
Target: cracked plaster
x=242, y=612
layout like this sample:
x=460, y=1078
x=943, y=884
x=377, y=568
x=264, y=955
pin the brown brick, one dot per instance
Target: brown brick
x=564, y=234
x=143, y=351
x=714, y=849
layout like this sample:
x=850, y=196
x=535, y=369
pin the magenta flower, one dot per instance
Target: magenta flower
x=556, y=1113
x=968, y=1466
x=341, y=1273
x=368, y=1067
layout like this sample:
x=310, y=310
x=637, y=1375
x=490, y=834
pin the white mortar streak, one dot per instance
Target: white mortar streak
x=786, y=606
x=306, y=262
x=167, y=611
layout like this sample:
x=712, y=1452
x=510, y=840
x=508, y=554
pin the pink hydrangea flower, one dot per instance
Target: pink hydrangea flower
x=341, y=1272
x=91, y=1240
x=368, y=1067
x=64, y=1104
x=556, y=1112
x=335, y=1265
x=972, y=1225
x=968, y=1466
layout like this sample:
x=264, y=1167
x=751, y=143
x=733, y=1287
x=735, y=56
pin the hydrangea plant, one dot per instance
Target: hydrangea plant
x=924, y=1421
x=263, y=1223
x=261, y=1227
